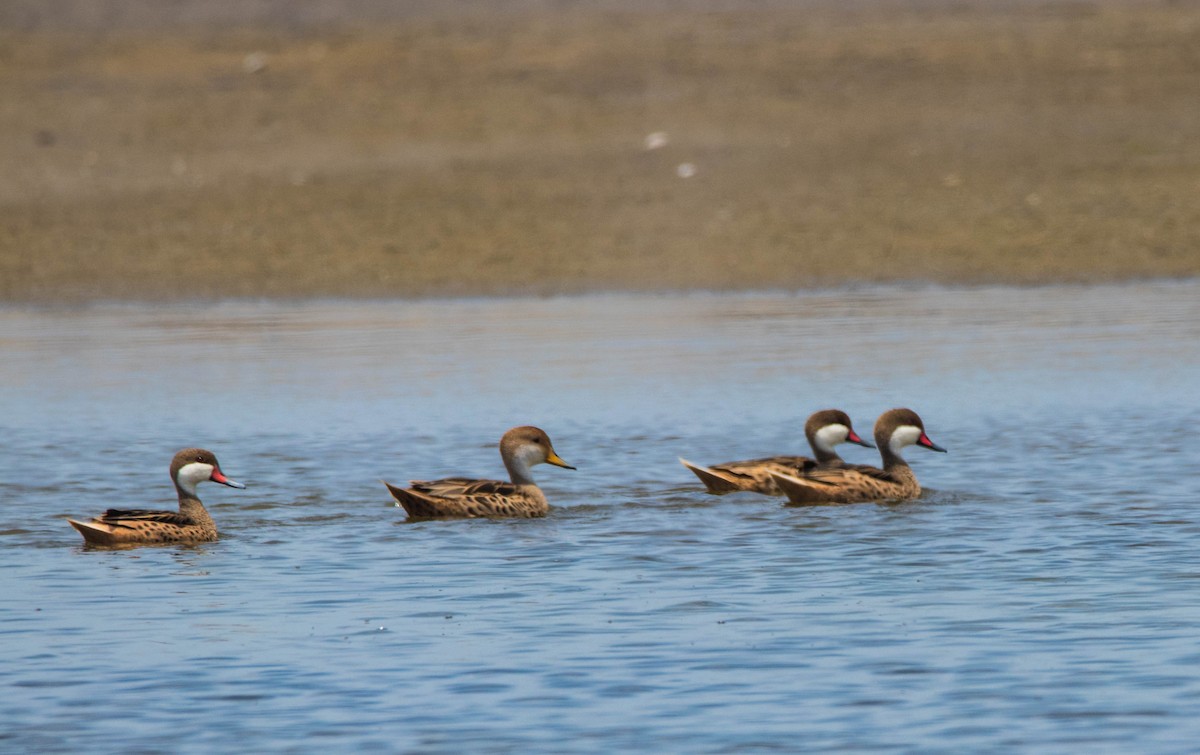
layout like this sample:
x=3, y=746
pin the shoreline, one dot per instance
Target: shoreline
x=665, y=295
x=571, y=151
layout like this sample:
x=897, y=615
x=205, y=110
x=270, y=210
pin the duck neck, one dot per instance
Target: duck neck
x=822, y=449
x=891, y=457
x=518, y=472
x=189, y=504
x=824, y=455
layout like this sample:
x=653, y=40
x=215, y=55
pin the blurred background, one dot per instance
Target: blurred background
x=206, y=149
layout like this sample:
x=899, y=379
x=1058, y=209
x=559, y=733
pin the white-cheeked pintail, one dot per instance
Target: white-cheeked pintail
x=191, y=524
x=824, y=430
x=895, y=430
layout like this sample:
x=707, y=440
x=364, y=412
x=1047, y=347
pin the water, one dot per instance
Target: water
x=1043, y=595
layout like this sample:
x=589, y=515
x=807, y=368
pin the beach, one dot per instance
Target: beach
x=548, y=149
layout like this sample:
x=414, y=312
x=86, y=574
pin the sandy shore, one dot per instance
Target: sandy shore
x=565, y=149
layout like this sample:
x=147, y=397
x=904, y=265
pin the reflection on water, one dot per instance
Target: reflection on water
x=1041, y=595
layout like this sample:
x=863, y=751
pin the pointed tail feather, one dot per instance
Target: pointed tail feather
x=95, y=533
x=399, y=494
x=799, y=491
x=716, y=482
x=413, y=502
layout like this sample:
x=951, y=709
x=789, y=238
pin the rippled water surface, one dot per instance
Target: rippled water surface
x=1043, y=594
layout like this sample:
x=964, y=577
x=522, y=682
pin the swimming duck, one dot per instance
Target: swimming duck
x=894, y=430
x=520, y=448
x=191, y=524
x=824, y=430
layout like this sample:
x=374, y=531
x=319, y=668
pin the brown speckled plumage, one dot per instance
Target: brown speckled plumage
x=758, y=475
x=460, y=497
x=856, y=483
x=191, y=524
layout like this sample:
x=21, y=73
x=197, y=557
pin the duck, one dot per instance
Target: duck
x=460, y=497
x=895, y=430
x=824, y=430
x=191, y=524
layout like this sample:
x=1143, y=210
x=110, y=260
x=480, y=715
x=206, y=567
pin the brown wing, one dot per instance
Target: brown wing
x=756, y=475
x=458, y=487
x=119, y=517
x=841, y=475
x=754, y=468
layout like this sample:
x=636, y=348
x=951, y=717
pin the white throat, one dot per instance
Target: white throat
x=831, y=435
x=904, y=436
x=192, y=474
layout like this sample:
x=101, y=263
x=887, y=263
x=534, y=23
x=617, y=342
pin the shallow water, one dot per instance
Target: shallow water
x=1043, y=594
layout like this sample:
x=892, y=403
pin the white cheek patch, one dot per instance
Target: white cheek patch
x=531, y=454
x=903, y=436
x=191, y=474
x=831, y=435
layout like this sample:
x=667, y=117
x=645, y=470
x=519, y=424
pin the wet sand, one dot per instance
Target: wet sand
x=482, y=152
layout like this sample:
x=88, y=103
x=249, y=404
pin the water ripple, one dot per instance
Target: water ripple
x=1039, y=596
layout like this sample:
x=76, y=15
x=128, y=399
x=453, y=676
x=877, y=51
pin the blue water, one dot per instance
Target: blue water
x=1043, y=595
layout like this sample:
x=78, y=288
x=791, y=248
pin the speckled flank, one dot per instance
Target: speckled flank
x=758, y=475
x=851, y=485
x=110, y=529
x=512, y=501
x=460, y=497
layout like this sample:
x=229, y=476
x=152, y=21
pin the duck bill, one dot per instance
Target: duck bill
x=853, y=437
x=557, y=461
x=219, y=476
x=927, y=443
